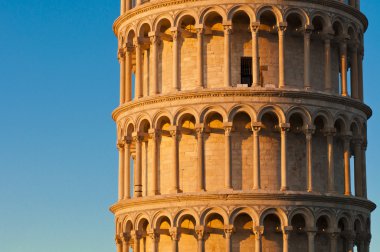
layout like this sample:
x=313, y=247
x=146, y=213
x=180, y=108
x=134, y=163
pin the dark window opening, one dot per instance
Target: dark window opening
x=246, y=70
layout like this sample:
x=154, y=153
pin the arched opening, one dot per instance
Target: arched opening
x=270, y=142
x=130, y=41
x=322, y=241
x=241, y=51
x=213, y=48
x=350, y=59
x=243, y=238
x=241, y=149
x=188, y=241
x=272, y=239
x=296, y=149
x=163, y=228
x=339, y=155
x=358, y=243
x=298, y=237
x=188, y=67
x=145, y=240
x=214, y=239
x=294, y=45
x=317, y=53
x=336, y=76
x=214, y=144
x=165, y=57
x=132, y=146
x=145, y=59
x=165, y=160
x=144, y=135
x=355, y=152
x=319, y=151
x=268, y=49
x=342, y=241
x=187, y=154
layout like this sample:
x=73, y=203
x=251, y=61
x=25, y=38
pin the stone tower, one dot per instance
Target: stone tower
x=244, y=127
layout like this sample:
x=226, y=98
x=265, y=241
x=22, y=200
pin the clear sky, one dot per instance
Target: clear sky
x=58, y=161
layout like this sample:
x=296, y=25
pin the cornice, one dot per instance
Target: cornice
x=244, y=196
x=236, y=92
x=155, y=5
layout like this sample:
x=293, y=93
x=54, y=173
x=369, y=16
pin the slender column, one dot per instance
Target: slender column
x=128, y=75
x=306, y=48
x=175, y=35
x=328, y=86
x=258, y=232
x=200, y=32
x=138, y=166
x=138, y=77
x=136, y=240
x=200, y=161
x=227, y=157
x=343, y=66
x=285, y=237
x=126, y=240
x=347, y=172
x=155, y=238
x=350, y=237
x=256, y=156
x=119, y=244
x=120, y=147
x=255, y=54
x=360, y=73
x=127, y=5
x=127, y=168
x=174, y=235
x=333, y=241
x=227, y=55
x=154, y=40
x=138, y=2
x=199, y=230
x=153, y=136
x=309, y=162
x=281, y=57
x=330, y=159
x=122, y=7
x=121, y=57
x=354, y=71
x=284, y=129
x=310, y=241
x=228, y=229
x=364, y=169
x=357, y=167
x=174, y=134
x=367, y=242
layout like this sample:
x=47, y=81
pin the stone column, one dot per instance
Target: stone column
x=155, y=239
x=309, y=161
x=126, y=240
x=227, y=157
x=138, y=2
x=281, y=57
x=284, y=129
x=333, y=240
x=200, y=161
x=328, y=86
x=360, y=72
x=255, y=54
x=127, y=168
x=127, y=5
x=306, y=48
x=174, y=235
x=138, y=165
x=175, y=35
x=364, y=169
x=199, y=230
x=285, y=237
x=330, y=159
x=154, y=40
x=122, y=7
x=256, y=155
x=128, y=74
x=119, y=244
x=138, y=76
x=175, y=164
x=228, y=229
x=350, y=237
x=121, y=57
x=200, y=32
x=347, y=170
x=354, y=71
x=358, y=167
x=343, y=66
x=227, y=55
x=153, y=136
x=120, y=147
x=258, y=232
x=367, y=242
x=136, y=240
x=310, y=240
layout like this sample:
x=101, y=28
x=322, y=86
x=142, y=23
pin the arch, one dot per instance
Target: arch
x=274, y=10
x=276, y=211
x=140, y=119
x=139, y=221
x=306, y=117
x=306, y=213
x=244, y=210
x=324, y=17
x=142, y=24
x=325, y=115
x=214, y=210
x=339, y=26
x=127, y=224
x=129, y=128
x=341, y=121
x=214, y=9
x=347, y=218
x=158, y=117
x=182, y=112
x=303, y=15
x=326, y=213
x=213, y=109
x=158, y=216
x=159, y=19
x=130, y=34
x=183, y=213
x=183, y=14
x=242, y=108
x=274, y=109
x=241, y=8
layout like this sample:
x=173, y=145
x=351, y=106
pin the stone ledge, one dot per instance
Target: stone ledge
x=245, y=196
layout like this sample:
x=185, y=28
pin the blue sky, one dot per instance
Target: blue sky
x=58, y=161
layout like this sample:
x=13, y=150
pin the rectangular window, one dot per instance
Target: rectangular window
x=246, y=70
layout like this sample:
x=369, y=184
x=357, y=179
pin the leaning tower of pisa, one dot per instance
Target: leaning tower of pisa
x=241, y=126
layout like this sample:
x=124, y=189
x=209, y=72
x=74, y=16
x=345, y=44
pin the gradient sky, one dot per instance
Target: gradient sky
x=58, y=87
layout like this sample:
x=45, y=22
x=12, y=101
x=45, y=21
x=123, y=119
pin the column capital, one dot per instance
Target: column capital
x=128, y=139
x=121, y=53
x=357, y=140
x=255, y=26
x=200, y=231
x=287, y=229
x=175, y=33
x=153, y=134
x=258, y=231
x=256, y=126
x=137, y=137
x=199, y=129
x=153, y=234
x=137, y=42
x=120, y=144
x=135, y=235
x=309, y=130
x=117, y=239
x=311, y=231
x=333, y=233
x=200, y=29
x=227, y=128
x=285, y=127
x=308, y=29
x=329, y=132
x=174, y=233
x=125, y=237
x=154, y=38
x=282, y=26
x=227, y=29
x=228, y=230
x=174, y=131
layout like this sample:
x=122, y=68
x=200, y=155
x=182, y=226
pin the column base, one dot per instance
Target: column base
x=174, y=191
x=284, y=188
